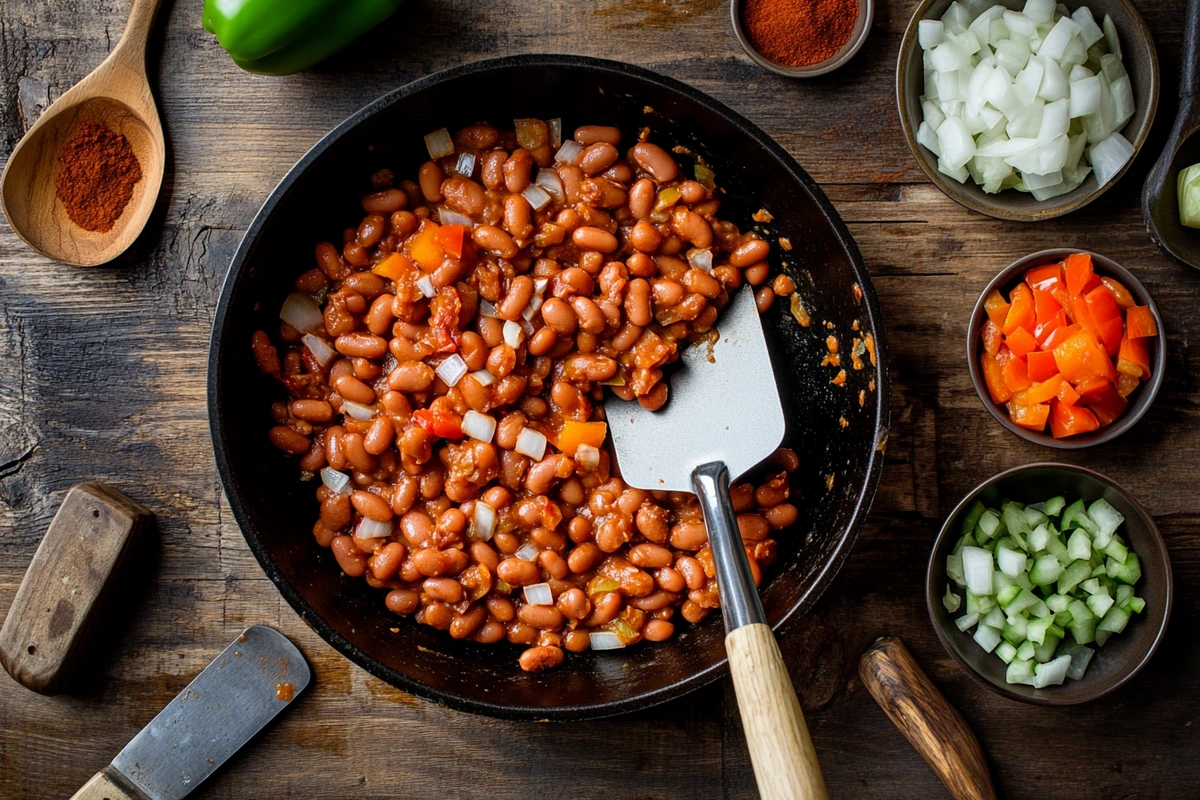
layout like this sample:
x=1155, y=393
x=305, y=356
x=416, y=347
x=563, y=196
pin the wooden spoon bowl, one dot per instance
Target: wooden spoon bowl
x=117, y=95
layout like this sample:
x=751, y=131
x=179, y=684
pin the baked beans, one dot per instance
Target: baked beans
x=456, y=357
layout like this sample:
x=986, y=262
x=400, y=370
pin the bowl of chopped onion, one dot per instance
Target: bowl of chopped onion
x=1050, y=584
x=1026, y=110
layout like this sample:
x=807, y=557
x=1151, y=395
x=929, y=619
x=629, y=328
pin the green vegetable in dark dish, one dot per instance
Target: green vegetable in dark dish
x=1189, y=196
x=279, y=37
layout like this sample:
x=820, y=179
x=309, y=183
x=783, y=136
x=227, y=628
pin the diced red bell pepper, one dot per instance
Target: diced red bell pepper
x=1044, y=329
x=1078, y=267
x=450, y=237
x=1082, y=357
x=1105, y=402
x=993, y=376
x=992, y=338
x=1021, y=342
x=1141, y=323
x=1134, y=358
x=1068, y=420
x=1067, y=393
x=1032, y=417
x=1110, y=333
x=1060, y=335
x=996, y=307
x=1044, y=278
x=1021, y=313
x=1045, y=307
x=1126, y=384
x=1016, y=374
x=1038, y=393
x=1094, y=283
x=1122, y=295
x=1106, y=315
x=447, y=426
x=1041, y=365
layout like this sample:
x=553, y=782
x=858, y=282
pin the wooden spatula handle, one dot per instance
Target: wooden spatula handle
x=785, y=763
x=107, y=784
x=926, y=718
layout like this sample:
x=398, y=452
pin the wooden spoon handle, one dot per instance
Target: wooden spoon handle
x=785, y=763
x=132, y=46
x=926, y=718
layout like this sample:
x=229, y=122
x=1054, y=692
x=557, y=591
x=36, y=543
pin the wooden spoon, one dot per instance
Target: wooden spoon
x=116, y=94
x=1160, y=198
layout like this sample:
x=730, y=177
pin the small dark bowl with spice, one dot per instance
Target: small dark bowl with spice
x=801, y=38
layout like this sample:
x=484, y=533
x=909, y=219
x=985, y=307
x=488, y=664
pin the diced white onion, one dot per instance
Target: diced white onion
x=535, y=304
x=302, y=313
x=485, y=521
x=486, y=309
x=1089, y=31
x=539, y=286
x=555, y=126
x=539, y=594
x=587, y=456
x=605, y=640
x=357, y=411
x=526, y=327
x=930, y=33
x=1085, y=96
x=373, y=529
x=548, y=179
x=335, y=481
x=536, y=195
x=321, y=351
x=1109, y=157
x=450, y=217
x=569, y=153
x=439, y=144
x=425, y=286
x=452, y=369
x=483, y=377
x=526, y=552
x=531, y=443
x=479, y=426
x=465, y=165
x=513, y=334
x=701, y=259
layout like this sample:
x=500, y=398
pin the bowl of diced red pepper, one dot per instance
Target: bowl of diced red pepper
x=1066, y=348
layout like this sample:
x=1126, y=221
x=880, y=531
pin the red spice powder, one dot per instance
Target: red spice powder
x=799, y=33
x=96, y=176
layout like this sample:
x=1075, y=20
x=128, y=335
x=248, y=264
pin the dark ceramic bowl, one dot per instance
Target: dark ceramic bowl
x=321, y=193
x=1141, y=61
x=1142, y=397
x=1125, y=653
x=858, y=36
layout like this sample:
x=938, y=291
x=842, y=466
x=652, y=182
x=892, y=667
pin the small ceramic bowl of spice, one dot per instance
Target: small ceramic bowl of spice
x=801, y=38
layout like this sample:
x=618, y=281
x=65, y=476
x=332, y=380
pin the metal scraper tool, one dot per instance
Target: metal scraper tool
x=234, y=698
x=723, y=418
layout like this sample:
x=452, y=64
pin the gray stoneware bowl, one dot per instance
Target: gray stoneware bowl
x=1141, y=61
x=1142, y=397
x=1125, y=653
x=862, y=28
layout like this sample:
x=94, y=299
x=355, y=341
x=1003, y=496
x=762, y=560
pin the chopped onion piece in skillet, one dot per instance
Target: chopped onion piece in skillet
x=357, y=411
x=452, y=370
x=373, y=529
x=548, y=179
x=587, y=456
x=486, y=309
x=302, y=313
x=513, y=333
x=484, y=377
x=701, y=259
x=570, y=153
x=479, y=426
x=450, y=217
x=555, y=131
x=539, y=594
x=526, y=552
x=537, y=196
x=535, y=303
x=321, y=351
x=485, y=521
x=531, y=443
x=465, y=165
x=336, y=482
x=425, y=285
x=439, y=144
x=605, y=640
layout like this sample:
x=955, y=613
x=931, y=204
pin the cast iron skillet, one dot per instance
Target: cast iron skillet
x=320, y=196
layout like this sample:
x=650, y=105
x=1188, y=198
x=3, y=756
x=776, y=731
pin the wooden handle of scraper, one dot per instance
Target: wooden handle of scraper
x=785, y=763
x=107, y=784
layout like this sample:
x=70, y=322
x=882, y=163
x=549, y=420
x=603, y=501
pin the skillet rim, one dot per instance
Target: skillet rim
x=238, y=272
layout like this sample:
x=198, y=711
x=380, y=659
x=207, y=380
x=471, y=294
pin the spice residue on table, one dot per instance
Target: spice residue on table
x=799, y=33
x=285, y=691
x=97, y=172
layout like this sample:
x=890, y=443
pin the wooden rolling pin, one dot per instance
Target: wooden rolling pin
x=926, y=719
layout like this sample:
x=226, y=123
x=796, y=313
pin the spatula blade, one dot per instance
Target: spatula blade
x=724, y=406
x=235, y=696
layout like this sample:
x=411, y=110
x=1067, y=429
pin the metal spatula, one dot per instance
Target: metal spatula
x=723, y=418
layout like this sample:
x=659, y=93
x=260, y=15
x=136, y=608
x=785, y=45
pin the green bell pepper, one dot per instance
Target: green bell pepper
x=279, y=37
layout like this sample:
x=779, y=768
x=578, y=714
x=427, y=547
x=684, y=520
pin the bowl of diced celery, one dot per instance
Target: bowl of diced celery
x=1026, y=109
x=1050, y=584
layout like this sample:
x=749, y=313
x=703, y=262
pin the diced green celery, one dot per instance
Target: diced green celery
x=1001, y=581
x=966, y=541
x=1129, y=572
x=1023, y=600
x=966, y=621
x=1092, y=586
x=1052, y=507
x=993, y=619
x=1023, y=581
x=972, y=602
x=1046, y=650
x=987, y=637
x=988, y=525
x=951, y=601
x=1063, y=618
x=1102, y=637
x=1039, y=610
x=1083, y=622
x=1007, y=594
x=1116, y=551
x=1038, y=538
x=1100, y=540
x=1015, y=628
x=1025, y=650
x=1006, y=652
x=1014, y=519
x=974, y=512
x=1046, y=569
x=1075, y=517
x=986, y=603
x=1036, y=631
x=1080, y=658
x=1034, y=517
x=1124, y=592
x=1020, y=670
x=1107, y=518
x=1052, y=673
x=978, y=566
x=1114, y=621
x=1007, y=541
x=1134, y=605
x=1058, y=602
x=1072, y=576
x=1012, y=562
x=1099, y=604
x=1079, y=546
x=954, y=570
x=1056, y=548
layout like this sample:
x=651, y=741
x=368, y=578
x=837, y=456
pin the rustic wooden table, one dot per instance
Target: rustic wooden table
x=105, y=379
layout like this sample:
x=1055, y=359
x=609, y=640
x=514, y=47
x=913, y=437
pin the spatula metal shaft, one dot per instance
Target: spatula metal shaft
x=740, y=605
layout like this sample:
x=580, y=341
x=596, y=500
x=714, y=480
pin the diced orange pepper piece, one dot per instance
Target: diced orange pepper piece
x=1078, y=308
x=1110, y=333
x=1134, y=358
x=992, y=338
x=574, y=434
x=1044, y=329
x=1021, y=342
x=1067, y=393
x=1068, y=420
x=1045, y=307
x=993, y=376
x=1105, y=402
x=1038, y=393
x=1060, y=335
x=1082, y=357
x=1122, y=295
x=1032, y=417
x=1102, y=305
x=450, y=237
x=1126, y=384
x=1016, y=374
x=424, y=248
x=1078, y=267
x=1140, y=322
x=996, y=307
x=393, y=267
x=1021, y=313
x=1041, y=365
x=1044, y=278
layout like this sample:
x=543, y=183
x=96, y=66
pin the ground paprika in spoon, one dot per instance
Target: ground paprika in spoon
x=799, y=33
x=96, y=175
